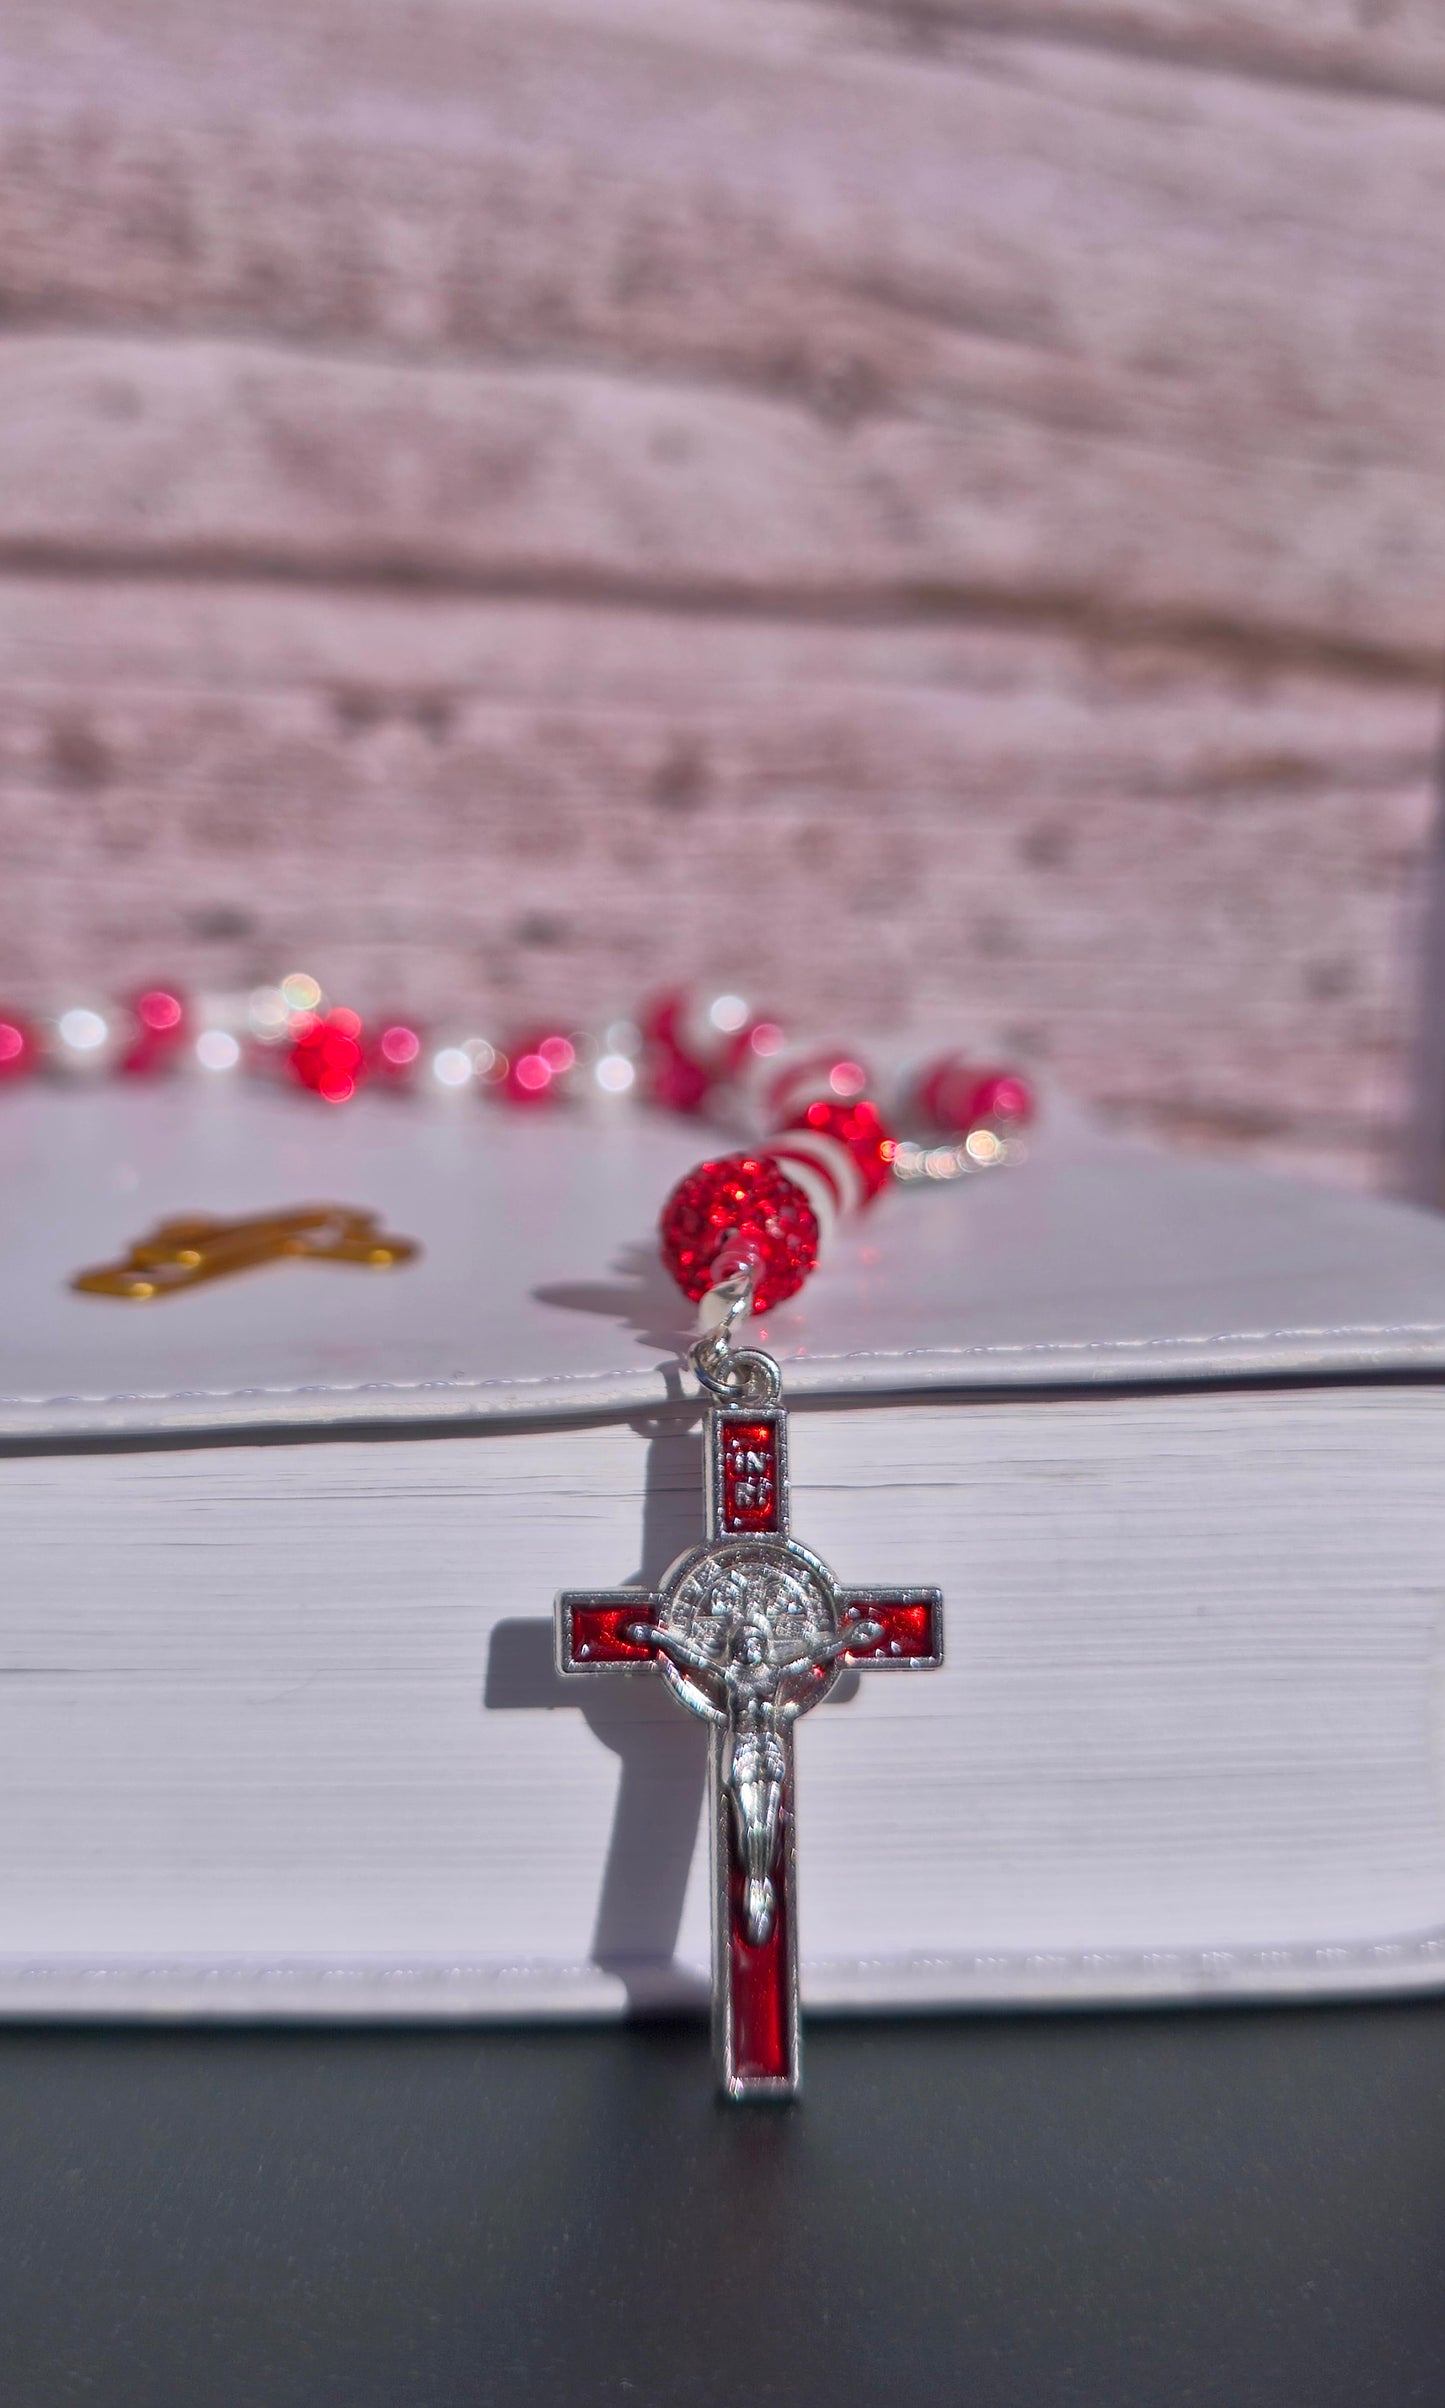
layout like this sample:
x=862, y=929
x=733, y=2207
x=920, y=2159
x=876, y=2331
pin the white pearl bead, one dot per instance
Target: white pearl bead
x=217, y=1050
x=455, y=1065
x=82, y=1041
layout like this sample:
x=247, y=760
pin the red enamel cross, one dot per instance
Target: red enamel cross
x=749, y=1631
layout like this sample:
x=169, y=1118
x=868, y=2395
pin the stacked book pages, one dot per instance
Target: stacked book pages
x=280, y=1726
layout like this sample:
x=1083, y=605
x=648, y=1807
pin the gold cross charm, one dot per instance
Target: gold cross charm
x=185, y=1252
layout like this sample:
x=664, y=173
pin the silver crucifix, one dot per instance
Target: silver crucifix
x=750, y=1630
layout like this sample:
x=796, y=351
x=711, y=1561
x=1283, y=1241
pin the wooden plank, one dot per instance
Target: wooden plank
x=224, y=456
x=946, y=349
x=296, y=58
x=1392, y=48
x=1043, y=326
x=1183, y=889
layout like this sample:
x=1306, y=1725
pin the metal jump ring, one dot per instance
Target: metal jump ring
x=747, y=1377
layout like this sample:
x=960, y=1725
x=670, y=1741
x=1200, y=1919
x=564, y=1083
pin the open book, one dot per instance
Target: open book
x=280, y=1728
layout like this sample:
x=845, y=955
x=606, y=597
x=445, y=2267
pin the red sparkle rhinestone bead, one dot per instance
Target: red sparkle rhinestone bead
x=862, y=1129
x=744, y=1203
x=19, y=1052
x=327, y=1054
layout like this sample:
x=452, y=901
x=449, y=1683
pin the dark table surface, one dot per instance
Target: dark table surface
x=1234, y=2208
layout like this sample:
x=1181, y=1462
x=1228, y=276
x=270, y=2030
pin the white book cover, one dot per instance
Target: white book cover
x=279, y=1725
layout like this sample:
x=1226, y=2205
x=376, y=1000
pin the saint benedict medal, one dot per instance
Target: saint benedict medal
x=750, y=1630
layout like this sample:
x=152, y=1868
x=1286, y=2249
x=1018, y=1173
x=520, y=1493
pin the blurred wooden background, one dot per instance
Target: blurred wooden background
x=932, y=512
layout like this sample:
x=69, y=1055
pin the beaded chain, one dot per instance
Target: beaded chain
x=819, y=1124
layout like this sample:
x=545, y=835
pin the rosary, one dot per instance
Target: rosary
x=749, y=1629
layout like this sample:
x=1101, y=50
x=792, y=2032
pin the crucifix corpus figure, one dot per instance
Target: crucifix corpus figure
x=749, y=1631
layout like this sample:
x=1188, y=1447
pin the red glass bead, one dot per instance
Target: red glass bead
x=783, y=1090
x=161, y=1030
x=159, y=1012
x=670, y=1080
x=536, y=1066
x=670, y=1075
x=327, y=1054
x=861, y=1128
x=19, y=1052
x=1003, y=1095
x=955, y=1095
x=742, y=1203
x=693, y=1042
x=394, y=1054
